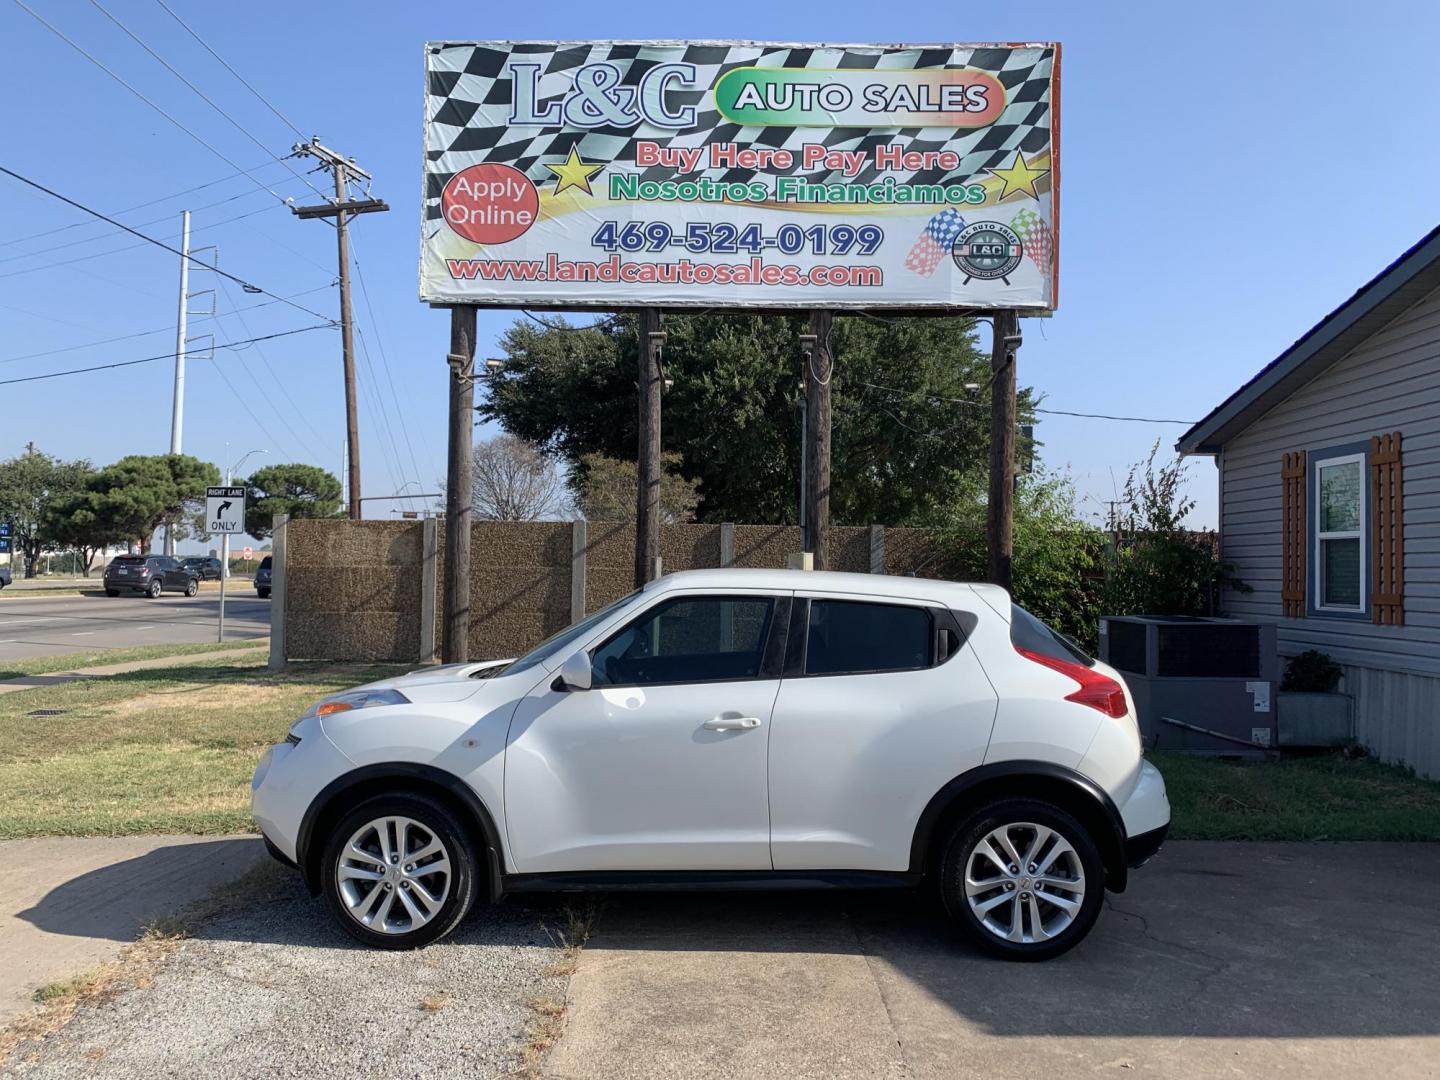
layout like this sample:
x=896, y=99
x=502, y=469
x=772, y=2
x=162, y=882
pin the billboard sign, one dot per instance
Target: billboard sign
x=741, y=174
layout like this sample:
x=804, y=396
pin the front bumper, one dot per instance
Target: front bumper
x=1141, y=849
x=286, y=781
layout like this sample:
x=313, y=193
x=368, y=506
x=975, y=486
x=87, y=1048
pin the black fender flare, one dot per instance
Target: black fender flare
x=1096, y=809
x=373, y=777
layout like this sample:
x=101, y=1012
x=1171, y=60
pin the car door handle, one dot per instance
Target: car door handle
x=731, y=723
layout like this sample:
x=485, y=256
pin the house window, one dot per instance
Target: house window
x=1339, y=533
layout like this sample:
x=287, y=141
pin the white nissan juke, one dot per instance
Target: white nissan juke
x=733, y=729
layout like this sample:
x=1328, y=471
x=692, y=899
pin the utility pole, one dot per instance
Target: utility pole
x=647, y=501
x=345, y=170
x=1000, y=517
x=819, y=369
x=177, y=406
x=459, y=478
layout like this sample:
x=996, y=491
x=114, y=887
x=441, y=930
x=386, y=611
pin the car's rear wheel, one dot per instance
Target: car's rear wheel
x=192, y=587
x=155, y=589
x=264, y=594
x=112, y=592
x=398, y=872
x=1023, y=878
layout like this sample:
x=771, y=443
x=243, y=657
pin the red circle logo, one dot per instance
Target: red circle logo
x=490, y=204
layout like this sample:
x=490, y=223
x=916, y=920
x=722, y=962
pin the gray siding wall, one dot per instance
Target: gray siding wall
x=1391, y=382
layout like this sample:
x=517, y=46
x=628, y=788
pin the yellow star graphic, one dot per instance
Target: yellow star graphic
x=1017, y=176
x=574, y=173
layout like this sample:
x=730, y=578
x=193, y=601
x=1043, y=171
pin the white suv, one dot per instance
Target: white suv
x=731, y=729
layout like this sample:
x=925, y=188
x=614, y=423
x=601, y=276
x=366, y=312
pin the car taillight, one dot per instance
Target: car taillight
x=144, y=570
x=1097, y=690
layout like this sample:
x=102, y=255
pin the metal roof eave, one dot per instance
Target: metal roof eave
x=1401, y=284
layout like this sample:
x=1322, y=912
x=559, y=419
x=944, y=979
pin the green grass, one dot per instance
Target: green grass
x=1321, y=797
x=45, y=665
x=163, y=750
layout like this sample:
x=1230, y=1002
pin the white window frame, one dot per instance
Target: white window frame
x=1321, y=464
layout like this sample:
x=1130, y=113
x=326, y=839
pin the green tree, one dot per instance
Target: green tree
x=302, y=491
x=1158, y=566
x=84, y=521
x=606, y=489
x=29, y=485
x=140, y=492
x=1057, y=570
x=906, y=430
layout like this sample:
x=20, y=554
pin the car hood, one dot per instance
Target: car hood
x=447, y=682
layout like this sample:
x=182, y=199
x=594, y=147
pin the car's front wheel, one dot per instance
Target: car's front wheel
x=398, y=872
x=1024, y=878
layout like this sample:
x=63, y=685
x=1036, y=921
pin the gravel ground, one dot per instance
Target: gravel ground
x=275, y=989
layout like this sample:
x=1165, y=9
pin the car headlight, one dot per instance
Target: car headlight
x=359, y=699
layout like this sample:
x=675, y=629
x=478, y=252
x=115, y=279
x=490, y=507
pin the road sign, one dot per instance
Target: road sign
x=247, y=552
x=4, y=528
x=224, y=510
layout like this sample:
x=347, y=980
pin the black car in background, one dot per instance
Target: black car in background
x=149, y=574
x=262, y=579
x=206, y=567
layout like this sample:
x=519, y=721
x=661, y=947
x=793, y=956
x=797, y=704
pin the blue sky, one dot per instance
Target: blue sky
x=1230, y=173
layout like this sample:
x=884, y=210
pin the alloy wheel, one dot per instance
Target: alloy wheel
x=1024, y=882
x=393, y=875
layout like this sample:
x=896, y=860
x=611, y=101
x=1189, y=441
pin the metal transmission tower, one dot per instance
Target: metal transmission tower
x=341, y=209
x=183, y=351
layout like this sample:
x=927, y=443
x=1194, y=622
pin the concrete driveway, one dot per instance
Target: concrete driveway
x=1234, y=960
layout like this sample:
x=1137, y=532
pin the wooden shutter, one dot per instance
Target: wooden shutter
x=1387, y=531
x=1294, y=534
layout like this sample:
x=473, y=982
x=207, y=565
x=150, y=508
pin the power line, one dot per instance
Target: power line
x=201, y=94
x=142, y=206
x=247, y=286
x=51, y=249
x=385, y=360
x=237, y=345
x=115, y=251
x=276, y=381
x=208, y=146
x=147, y=333
x=1049, y=412
x=206, y=46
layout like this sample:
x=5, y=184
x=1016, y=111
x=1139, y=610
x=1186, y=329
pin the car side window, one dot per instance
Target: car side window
x=689, y=639
x=852, y=637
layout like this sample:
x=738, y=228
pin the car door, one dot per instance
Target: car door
x=661, y=764
x=175, y=575
x=882, y=705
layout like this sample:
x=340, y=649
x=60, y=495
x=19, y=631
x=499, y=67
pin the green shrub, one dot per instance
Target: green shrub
x=1311, y=672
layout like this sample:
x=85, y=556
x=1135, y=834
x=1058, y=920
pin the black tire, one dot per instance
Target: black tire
x=967, y=836
x=155, y=589
x=112, y=592
x=432, y=817
x=192, y=587
x=264, y=594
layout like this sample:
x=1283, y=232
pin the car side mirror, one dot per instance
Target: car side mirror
x=575, y=672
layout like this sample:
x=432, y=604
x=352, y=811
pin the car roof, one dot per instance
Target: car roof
x=817, y=581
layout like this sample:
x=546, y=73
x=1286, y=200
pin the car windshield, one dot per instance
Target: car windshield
x=551, y=645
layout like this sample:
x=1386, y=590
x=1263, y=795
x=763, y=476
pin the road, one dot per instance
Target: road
x=31, y=626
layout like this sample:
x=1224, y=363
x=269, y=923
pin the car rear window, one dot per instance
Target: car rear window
x=1029, y=633
x=848, y=637
x=130, y=560
x=265, y=563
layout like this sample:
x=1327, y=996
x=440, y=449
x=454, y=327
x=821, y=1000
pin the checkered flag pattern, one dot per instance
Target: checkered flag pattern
x=1035, y=237
x=469, y=98
x=935, y=242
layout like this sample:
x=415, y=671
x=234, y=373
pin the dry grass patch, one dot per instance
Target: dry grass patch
x=166, y=750
x=434, y=1002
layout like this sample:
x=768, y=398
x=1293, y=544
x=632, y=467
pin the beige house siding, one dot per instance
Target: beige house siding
x=1390, y=382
